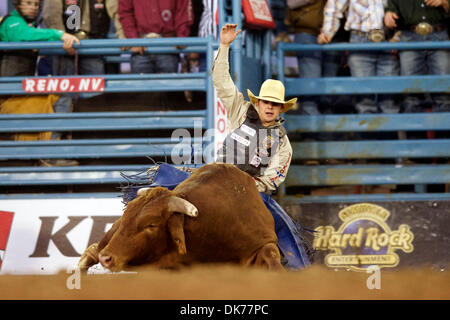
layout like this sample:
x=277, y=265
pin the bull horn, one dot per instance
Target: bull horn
x=180, y=205
x=142, y=191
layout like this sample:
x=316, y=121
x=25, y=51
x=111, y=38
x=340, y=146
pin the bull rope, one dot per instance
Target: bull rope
x=142, y=179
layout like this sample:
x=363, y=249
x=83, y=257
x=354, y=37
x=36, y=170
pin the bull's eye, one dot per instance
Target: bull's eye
x=151, y=226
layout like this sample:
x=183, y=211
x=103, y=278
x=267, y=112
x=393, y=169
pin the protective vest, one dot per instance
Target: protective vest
x=251, y=146
x=98, y=17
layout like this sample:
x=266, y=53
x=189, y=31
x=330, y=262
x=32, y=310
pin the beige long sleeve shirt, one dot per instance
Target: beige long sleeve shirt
x=237, y=107
x=53, y=16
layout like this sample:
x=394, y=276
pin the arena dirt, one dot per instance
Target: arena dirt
x=232, y=282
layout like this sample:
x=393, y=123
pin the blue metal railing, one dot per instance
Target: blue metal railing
x=367, y=174
x=130, y=82
x=254, y=45
x=362, y=85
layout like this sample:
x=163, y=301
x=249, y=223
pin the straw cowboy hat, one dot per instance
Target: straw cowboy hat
x=272, y=90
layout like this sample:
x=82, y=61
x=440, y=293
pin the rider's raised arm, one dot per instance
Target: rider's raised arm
x=232, y=99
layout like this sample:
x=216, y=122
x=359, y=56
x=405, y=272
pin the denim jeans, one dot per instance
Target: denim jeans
x=417, y=62
x=65, y=65
x=373, y=63
x=87, y=65
x=152, y=63
x=315, y=64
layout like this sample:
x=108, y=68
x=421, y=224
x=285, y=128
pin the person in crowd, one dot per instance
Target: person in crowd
x=305, y=23
x=94, y=23
x=208, y=24
x=204, y=26
x=20, y=25
x=364, y=20
x=155, y=19
x=422, y=20
x=191, y=62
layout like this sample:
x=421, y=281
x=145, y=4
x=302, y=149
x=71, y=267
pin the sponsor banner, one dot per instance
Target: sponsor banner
x=45, y=236
x=356, y=236
x=63, y=84
x=5, y=228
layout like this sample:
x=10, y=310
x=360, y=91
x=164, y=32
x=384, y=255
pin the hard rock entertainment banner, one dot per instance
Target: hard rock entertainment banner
x=356, y=236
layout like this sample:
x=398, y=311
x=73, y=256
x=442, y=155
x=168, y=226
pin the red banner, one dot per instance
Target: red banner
x=5, y=227
x=59, y=85
x=257, y=14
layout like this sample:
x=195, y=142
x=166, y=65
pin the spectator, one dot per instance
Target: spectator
x=191, y=62
x=207, y=25
x=95, y=21
x=365, y=23
x=155, y=19
x=96, y=16
x=306, y=22
x=19, y=25
x=421, y=20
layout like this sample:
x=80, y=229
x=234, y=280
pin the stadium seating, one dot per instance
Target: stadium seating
x=107, y=160
x=368, y=162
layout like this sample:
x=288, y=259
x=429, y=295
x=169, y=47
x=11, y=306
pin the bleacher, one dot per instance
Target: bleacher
x=104, y=160
x=108, y=143
x=407, y=169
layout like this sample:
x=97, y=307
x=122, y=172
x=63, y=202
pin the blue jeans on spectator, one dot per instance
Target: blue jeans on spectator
x=154, y=63
x=87, y=65
x=420, y=62
x=314, y=64
x=202, y=63
x=65, y=65
x=373, y=63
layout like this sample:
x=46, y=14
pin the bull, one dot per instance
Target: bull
x=215, y=216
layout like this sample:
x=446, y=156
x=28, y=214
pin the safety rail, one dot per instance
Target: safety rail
x=361, y=85
x=102, y=160
x=93, y=148
x=299, y=175
x=102, y=121
x=361, y=162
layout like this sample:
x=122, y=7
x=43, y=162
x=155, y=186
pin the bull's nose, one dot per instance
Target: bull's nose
x=106, y=261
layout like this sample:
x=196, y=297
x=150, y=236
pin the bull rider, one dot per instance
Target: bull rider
x=258, y=144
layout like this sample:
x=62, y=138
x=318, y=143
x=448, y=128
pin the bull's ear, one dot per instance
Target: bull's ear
x=176, y=231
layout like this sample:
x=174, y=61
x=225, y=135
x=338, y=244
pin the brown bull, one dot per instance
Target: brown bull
x=215, y=216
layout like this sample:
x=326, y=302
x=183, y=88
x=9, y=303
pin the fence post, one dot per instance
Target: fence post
x=280, y=62
x=210, y=108
x=267, y=55
x=237, y=46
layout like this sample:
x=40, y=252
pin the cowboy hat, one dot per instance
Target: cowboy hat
x=272, y=90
